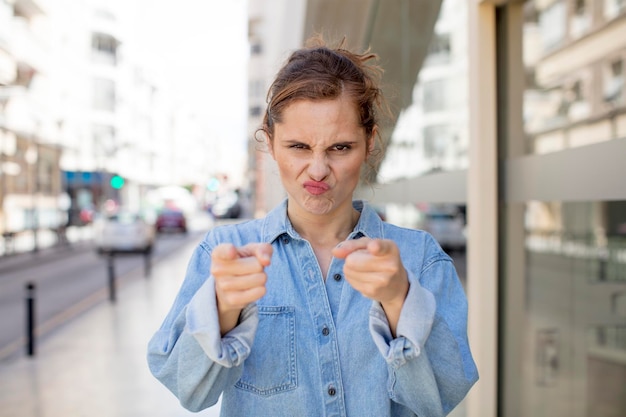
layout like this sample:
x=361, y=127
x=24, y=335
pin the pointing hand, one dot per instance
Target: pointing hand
x=239, y=278
x=373, y=267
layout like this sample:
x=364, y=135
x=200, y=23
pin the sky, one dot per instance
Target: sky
x=202, y=46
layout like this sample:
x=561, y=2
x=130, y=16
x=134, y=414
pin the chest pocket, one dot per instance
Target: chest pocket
x=271, y=366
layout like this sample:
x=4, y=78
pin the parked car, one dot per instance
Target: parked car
x=170, y=220
x=447, y=226
x=124, y=231
x=227, y=206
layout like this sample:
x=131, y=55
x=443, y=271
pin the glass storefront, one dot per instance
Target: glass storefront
x=570, y=348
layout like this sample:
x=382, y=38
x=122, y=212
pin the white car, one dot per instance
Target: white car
x=447, y=226
x=124, y=231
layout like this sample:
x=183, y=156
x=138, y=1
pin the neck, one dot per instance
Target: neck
x=328, y=229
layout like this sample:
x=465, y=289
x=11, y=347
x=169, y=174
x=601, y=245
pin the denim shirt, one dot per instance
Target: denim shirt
x=313, y=346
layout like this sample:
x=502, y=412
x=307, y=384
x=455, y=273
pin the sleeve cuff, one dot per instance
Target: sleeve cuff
x=416, y=319
x=203, y=324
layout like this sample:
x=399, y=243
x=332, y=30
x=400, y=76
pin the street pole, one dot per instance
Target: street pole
x=111, y=273
x=30, y=319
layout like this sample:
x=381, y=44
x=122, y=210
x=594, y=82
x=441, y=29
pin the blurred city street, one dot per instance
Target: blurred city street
x=95, y=365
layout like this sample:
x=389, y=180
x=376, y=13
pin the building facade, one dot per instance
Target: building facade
x=83, y=101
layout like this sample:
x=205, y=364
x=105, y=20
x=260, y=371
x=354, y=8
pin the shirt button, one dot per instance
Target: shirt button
x=332, y=391
x=337, y=277
x=325, y=331
x=285, y=240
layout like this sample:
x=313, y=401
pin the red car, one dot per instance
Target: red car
x=170, y=220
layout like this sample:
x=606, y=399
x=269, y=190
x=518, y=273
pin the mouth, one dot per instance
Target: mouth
x=316, y=187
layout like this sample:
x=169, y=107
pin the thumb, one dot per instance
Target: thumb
x=263, y=252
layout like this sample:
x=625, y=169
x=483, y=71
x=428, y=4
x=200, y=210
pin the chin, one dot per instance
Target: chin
x=318, y=205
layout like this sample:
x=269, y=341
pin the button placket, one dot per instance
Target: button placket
x=323, y=302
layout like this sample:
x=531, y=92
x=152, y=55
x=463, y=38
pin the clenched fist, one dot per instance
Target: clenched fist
x=239, y=278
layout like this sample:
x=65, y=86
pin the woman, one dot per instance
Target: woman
x=320, y=308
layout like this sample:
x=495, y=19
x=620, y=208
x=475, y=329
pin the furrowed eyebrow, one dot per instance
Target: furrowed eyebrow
x=293, y=142
x=344, y=143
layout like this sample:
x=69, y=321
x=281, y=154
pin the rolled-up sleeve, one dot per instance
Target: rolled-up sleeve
x=430, y=365
x=203, y=323
x=187, y=354
x=416, y=319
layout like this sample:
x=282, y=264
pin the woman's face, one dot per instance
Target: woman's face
x=320, y=147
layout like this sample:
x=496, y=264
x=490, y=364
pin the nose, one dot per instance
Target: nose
x=318, y=168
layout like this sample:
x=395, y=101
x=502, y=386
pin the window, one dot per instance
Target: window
x=441, y=147
x=435, y=96
x=104, y=94
x=45, y=170
x=256, y=48
x=612, y=8
x=574, y=105
x=439, y=49
x=104, y=139
x=581, y=19
x=255, y=111
x=552, y=25
x=563, y=262
x=104, y=48
x=614, y=82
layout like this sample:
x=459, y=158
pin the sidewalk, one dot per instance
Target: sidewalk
x=95, y=366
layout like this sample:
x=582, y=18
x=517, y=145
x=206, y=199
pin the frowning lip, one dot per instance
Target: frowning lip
x=316, y=187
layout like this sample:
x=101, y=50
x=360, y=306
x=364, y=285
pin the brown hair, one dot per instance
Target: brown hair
x=320, y=72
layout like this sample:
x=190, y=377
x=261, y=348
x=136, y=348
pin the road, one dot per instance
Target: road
x=70, y=281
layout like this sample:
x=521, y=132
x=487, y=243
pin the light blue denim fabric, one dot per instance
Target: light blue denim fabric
x=313, y=347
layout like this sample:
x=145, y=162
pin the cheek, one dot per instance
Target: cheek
x=353, y=170
x=287, y=166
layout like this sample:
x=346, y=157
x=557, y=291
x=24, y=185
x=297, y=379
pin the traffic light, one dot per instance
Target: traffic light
x=213, y=184
x=117, y=182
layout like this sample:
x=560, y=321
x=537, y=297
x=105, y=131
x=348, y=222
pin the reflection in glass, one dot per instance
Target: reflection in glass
x=432, y=133
x=574, y=56
x=575, y=306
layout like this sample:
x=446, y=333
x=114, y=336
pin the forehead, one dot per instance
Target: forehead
x=333, y=117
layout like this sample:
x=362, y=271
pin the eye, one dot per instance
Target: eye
x=342, y=147
x=298, y=146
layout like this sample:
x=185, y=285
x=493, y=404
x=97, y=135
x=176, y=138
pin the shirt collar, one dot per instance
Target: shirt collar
x=277, y=223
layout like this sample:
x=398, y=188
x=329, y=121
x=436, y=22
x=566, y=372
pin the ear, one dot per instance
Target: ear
x=268, y=144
